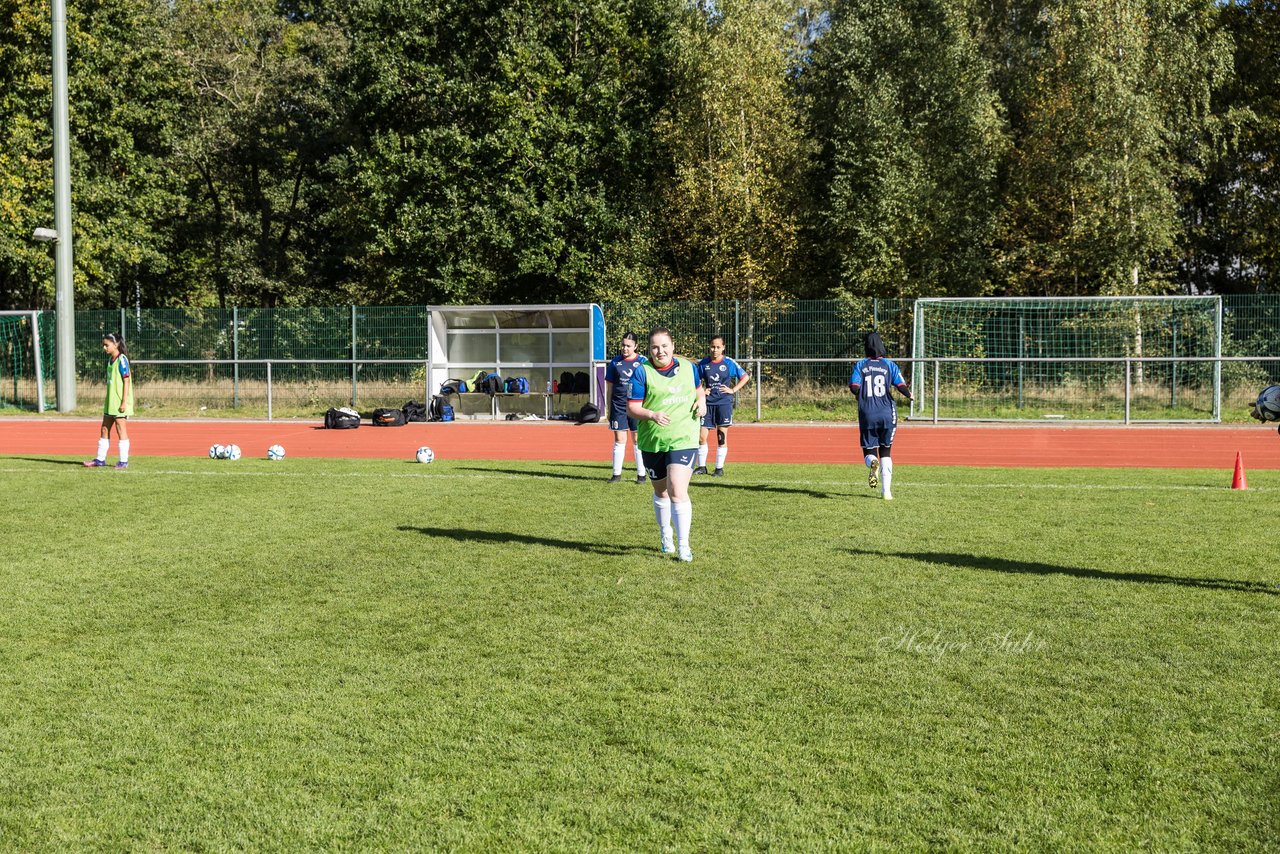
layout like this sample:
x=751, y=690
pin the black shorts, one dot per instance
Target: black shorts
x=657, y=462
x=619, y=419
x=718, y=415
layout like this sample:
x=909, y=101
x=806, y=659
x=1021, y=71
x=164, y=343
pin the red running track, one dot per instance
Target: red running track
x=1180, y=446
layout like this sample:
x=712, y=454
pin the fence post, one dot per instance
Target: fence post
x=268, y=389
x=1128, y=364
x=759, y=391
x=1217, y=365
x=235, y=356
x=124, y=320
x=935, y=391
x=1022, y=337
x=1173, y=368
x=353, y=357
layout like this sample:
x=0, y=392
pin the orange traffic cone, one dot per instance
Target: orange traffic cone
x=1238, y=480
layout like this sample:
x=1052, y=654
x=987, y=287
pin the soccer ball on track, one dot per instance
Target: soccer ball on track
x=275, y=452
x=233, y=452
x=1268, y=404
x=425, y=454
x=217, y=452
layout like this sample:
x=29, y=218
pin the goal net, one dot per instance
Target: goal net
x=1080, y=358
x=26, y=359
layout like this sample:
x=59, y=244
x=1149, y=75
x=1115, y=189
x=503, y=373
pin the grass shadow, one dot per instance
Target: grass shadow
x=507, y=538
x=997, y=564
x=48, y=460
x=601, y=478
x=700, y=483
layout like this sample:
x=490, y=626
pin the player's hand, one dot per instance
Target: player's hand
x=661, y=418
x=700, y=408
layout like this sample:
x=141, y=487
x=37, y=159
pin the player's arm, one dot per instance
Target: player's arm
x=124, y=392
x=904, y=390
x=744, y=377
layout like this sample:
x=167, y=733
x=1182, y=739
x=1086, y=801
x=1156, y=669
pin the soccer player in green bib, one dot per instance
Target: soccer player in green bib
x=119, y=405
x=668, y=402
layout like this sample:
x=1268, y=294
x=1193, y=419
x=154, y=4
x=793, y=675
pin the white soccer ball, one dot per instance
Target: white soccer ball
x=1269, y=403
x=233, y=452
x=425, y=454
x=275, y=452
x=216, y=452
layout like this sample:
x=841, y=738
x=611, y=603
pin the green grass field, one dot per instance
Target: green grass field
x=332, y=654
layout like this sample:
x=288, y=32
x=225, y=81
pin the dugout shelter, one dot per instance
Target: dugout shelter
x=539, y=342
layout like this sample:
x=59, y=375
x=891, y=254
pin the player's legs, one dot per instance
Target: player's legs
x=679, y=472
x=722, y=444
x=872, y=461
x=619, y=453
x=886, y=472
x=635, y=448
x=122, y=433
x=655, y=462
x=104, y=443
x=703, y=432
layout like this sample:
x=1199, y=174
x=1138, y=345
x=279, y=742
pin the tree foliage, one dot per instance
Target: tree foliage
x=271, y=152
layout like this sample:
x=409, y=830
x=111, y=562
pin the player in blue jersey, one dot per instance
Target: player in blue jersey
x=617, y=378
x=871, y=381
x=723, y=378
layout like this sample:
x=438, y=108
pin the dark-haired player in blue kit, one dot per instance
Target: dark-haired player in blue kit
x=617, y=378
x=877, y=413
x=723, y=378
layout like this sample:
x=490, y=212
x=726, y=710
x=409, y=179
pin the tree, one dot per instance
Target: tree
x=910, y=139
x=734, y=139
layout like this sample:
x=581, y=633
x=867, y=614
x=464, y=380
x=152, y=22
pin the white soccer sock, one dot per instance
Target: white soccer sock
x=103, y=446
x=682, y=512
x=619, y=451
x=702, y=456
x=639, y=459
x=886, y=474
x=721, y=453
x=662, y=511
x=124, y=450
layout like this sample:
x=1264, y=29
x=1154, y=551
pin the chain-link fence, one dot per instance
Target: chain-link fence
x=215, y=361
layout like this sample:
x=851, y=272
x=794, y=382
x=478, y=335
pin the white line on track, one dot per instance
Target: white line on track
x=908, y=485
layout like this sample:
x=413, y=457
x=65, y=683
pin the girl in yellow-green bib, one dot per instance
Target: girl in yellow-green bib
x=119, y=404
x=668, y=402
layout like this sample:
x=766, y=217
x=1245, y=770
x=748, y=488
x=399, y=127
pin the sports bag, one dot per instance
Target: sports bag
x=581, y=382
x=414, y=411
x=588, y=414
x=446, y=412
x=476, y=379
x=440, y=409
x=454, y=386
x=387, y=418
x=516, y=385
x=565, y=386
x=491, y=384
x=341, y=418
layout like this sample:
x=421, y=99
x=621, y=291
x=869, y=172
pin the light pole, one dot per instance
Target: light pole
x=64, y=289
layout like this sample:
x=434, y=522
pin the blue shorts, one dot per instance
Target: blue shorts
x=657, y=462
x=877, y=434
x=718, y=415
x=619, y=419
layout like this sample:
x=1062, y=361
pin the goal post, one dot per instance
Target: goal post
x=1079, y=358
x=26, y=359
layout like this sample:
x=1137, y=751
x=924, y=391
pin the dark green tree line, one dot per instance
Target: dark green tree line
x=289, y=152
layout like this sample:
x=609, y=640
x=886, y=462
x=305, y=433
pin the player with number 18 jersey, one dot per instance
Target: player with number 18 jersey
x=871, y=381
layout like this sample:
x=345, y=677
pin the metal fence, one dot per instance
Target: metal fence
x=203, y=360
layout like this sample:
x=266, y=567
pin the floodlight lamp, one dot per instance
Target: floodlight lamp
x=44, y=235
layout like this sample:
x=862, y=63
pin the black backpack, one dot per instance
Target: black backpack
x=387, y=418
x=588, y=414
x=440, y=409
x=414, y=411
x=341, y=418
x=491, y=384
x=581, y=382
x=566, y=384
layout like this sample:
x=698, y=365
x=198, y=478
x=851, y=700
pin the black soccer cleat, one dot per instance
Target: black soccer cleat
x=718, y=473
x=700, y=470
x=641, y=479
x=617, y=478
